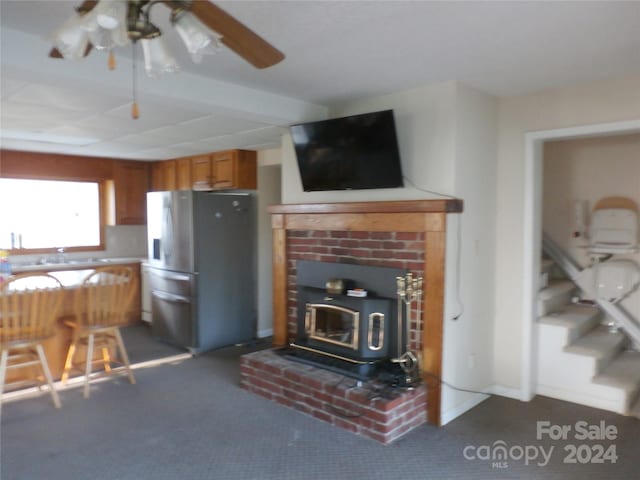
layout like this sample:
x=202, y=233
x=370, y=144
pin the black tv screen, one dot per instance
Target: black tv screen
x=348, y=153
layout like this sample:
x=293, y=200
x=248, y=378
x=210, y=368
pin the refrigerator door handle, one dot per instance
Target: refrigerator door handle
x=168, y=233
x=172, y=276
x=168, y=297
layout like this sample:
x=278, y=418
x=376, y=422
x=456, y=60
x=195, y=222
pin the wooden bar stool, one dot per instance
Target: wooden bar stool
x=101, y=304
x=29, y=307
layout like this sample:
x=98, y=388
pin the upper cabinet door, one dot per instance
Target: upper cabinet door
x=224, y=166
x=163, y=176
x=201, y=173
x=131, y=183
x=183, y=174
x=235, y=169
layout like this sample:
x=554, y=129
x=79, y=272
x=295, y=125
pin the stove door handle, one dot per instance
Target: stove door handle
x=380, y=331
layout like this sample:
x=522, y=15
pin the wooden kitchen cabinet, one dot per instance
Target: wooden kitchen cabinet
x=183, y=173
x=201, y=172
x=219, y=170
x=163, y=176
x=130, y=186
x=234, y=169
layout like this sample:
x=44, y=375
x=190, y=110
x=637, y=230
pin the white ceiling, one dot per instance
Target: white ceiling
x=335, y=51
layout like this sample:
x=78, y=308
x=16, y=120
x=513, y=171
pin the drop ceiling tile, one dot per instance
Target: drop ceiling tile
x=191, y=148
x=170, y=152
x=146, y=141
x=20, y=110
x=67, y=98
x=191, y=130
x=36, y=124
x=103, y=122
x=8, y=86
x=73, y=131
x=111, y=148
x=154, y=115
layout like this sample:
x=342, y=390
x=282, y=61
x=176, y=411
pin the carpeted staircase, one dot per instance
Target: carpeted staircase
x=581, y=359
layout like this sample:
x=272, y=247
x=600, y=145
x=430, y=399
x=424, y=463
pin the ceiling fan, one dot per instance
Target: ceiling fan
x=203, y=27
x=230, y=31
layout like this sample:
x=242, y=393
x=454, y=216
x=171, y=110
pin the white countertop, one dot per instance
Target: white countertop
x=71, y=266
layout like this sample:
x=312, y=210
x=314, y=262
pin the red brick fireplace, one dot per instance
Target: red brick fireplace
x=401, y=234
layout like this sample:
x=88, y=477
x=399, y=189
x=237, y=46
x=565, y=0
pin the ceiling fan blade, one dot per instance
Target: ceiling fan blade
x=245, y=42
x=84, y=8
x=55, y=53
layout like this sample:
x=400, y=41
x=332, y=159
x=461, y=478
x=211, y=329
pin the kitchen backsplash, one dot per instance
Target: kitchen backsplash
x=128, y=241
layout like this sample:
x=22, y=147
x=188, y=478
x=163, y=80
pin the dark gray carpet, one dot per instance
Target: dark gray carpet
x=140, y=347
x=191, y=421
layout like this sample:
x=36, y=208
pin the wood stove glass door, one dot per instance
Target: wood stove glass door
x=333, y=324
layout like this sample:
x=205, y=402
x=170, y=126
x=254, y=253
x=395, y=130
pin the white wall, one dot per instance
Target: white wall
x=468, y=341
x=595, y=103
x=447, y=140
x=268, y=194
x=425, y=124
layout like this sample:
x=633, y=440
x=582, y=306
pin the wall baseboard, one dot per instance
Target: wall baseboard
x=503, y=391
x=267, y=332
x=455, y=412
x=610, y=404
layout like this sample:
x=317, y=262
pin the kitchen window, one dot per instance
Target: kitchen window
x=40, y=215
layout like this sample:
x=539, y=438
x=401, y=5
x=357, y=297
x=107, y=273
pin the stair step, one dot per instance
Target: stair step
x=555, y=296
x=622, y=372
x=571, y=316
x=599, y=343
x=577, y=319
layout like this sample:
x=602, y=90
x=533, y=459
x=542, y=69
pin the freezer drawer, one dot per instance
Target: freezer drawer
x=172, y=319
x=177, y=283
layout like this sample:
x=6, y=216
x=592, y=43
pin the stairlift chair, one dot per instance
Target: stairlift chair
x=613, y=231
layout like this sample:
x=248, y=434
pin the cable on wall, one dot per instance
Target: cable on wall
x=458, y=247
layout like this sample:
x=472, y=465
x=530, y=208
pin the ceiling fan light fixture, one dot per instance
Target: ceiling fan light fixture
x=198, y=39
x=71, y=39
x=157, y=59
x=111, y=14
x=103, y=38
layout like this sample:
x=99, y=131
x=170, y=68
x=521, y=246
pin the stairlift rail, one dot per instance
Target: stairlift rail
x=621, y=317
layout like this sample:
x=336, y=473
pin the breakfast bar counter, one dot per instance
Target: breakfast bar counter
x=71, y=276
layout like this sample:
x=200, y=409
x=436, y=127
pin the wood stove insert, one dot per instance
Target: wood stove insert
x=350, y=335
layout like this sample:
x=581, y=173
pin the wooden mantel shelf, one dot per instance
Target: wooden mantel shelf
x=425, y=216
x=402, y=206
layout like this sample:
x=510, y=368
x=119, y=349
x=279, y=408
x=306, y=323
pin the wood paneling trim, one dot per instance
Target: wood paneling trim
x=370, y=222
x=279, y=287
x=51, y=166
x=433, y=314
x=448, y=206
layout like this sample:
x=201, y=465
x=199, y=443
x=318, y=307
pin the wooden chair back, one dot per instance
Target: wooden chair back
x=105, y=297
x=29, y=307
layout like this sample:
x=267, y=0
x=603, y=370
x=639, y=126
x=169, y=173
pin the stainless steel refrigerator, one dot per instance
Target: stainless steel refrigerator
x=202, y=271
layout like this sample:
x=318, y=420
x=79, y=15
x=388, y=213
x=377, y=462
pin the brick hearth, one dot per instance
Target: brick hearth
x=401, y=234
x=333, y=398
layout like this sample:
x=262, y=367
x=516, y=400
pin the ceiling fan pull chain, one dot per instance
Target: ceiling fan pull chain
x=135, y=114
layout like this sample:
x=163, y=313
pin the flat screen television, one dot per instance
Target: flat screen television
x=348, y=153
